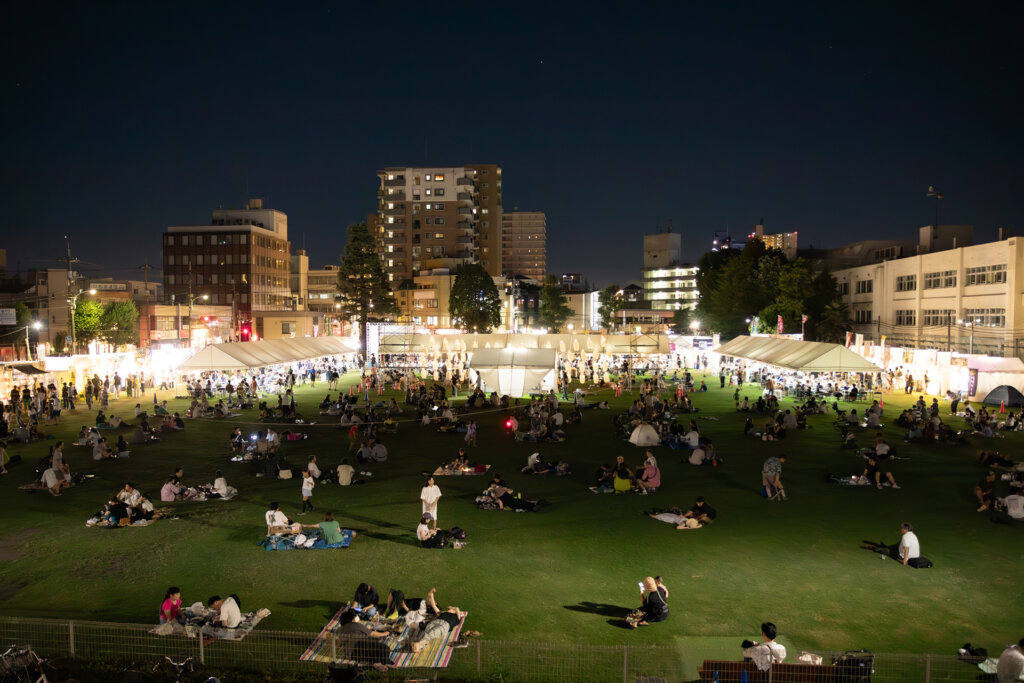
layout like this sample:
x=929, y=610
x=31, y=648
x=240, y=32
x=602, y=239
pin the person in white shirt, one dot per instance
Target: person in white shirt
x=311, y=466
x=345, y=472
x=228, y=613
x=1010, y=668
x=692, y=438
x=429, y=496
x=277, y=522
x=765, y=653
x=220, y=485
x=907, y=549
x=128, y=495
x=307, y=491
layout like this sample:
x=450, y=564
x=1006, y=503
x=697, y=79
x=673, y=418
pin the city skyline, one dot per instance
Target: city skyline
x=824, y=122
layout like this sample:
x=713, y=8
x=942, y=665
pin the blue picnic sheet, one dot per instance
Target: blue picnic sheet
x=278, y=542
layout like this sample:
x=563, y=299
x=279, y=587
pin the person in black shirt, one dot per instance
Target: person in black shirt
x=365, y=600
x=875, y=473
x=701, y=511
x=435, y=629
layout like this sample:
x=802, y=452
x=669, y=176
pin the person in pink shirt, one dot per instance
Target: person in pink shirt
x=170, y=609
x=649, y=478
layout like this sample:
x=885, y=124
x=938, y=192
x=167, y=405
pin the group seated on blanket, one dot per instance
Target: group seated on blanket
x=172, y=423
x=535, y=465
x=705, y=454
x=220, y=618
x=104, y=422
x=995, y=460
x=699, y=514
x=173, y=489
x=372, y=450
x=53, y=478
x=498, y=496
x=128, y=507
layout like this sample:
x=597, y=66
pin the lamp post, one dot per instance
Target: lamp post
x=970, y=324
x=28, y=345
x=73, y=300
x=191, y=302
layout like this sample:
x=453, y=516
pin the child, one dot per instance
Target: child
x=307, y=491
x=471, y=433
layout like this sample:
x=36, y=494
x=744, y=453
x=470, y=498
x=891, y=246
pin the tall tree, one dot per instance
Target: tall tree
x=554, y=308
x=88, y=324
x=362, y=283
x=609, y=304
x=119, y=323
x=834, y=323
x=681, y=321
x=474, y=302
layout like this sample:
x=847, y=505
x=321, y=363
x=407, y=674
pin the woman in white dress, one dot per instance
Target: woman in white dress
x=429, y=497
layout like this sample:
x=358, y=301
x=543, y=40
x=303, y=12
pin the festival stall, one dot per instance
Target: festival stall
x=258, y=354
x=515, y=372
x=799, y=356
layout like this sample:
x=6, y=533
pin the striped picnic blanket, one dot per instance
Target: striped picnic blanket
x=436, y=656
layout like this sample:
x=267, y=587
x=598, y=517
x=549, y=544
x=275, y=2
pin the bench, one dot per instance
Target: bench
x=732, y=672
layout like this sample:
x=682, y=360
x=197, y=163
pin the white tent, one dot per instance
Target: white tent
x=515, y=372
x=644, y=435
x=993, y=372
x=636, y=344
x=258, y=354
x=793, y=354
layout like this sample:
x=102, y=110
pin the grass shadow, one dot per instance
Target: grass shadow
x=601, y=608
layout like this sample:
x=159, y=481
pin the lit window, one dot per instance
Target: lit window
x=438, y=176
x=427, y=206
x=427, y=191
x=428, y=176
x=391, y=233
x=391, y=248
x=391, y=219
x=391, y=205
x=391, y=176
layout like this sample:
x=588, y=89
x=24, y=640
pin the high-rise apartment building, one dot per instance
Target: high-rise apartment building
x=440, y=217
x=242, y=258
x=786, y=242
x=524, y=244
x=669, y=284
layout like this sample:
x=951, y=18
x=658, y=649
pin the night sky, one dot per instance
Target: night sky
x=119, y=119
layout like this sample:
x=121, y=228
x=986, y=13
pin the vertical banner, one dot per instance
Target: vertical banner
x=849, y=339
x=780, y=324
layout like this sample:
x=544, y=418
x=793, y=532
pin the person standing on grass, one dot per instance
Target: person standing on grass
x=771, y=476
x=429, y=496
x=767, y=652
x=471, y=433
x=307, y=491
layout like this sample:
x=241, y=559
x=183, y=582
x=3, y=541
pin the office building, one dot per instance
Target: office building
x=439, y=217
x=524, y=244
x=241, y=258
x=959, y=299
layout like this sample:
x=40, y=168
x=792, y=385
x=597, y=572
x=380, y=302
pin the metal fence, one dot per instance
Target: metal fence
x=508, y=662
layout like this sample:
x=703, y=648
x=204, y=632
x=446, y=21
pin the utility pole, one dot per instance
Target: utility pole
x=949, y=332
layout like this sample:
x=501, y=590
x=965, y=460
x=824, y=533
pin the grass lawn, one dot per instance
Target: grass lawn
x=547, y=576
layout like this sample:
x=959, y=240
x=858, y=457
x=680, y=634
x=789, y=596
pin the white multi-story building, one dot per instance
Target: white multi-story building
x=962, y=299
x=668, y=284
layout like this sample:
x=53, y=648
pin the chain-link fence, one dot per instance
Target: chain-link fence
x=508, y=662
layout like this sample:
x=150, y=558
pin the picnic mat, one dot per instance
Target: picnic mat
x=277, y=542
x=436, y=656
x=442, y=472
x=248, y=623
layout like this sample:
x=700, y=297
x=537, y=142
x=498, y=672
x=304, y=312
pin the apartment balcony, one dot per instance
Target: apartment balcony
x=397, y=252
x=394, y=182
x=462, y=254
x=399, y=223
x=396, y=196
x=465, y=240
x=464, y=180
x=396, y=238
x=464, y=197
x=398, y=210
x=465, y=211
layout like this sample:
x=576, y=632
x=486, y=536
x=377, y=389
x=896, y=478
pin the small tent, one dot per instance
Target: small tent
x=644, y=435
x=1005, y=395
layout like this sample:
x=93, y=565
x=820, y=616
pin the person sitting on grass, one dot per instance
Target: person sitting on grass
x=701, y=512
x=170, y=491
x=623, y=478
x=875, y=472
x=603, y=480
x=767, y=652
x=907, y=549
x=436, y=629
x=170, y=608
x=360, y=643
x=428, y=537
x=101, y=451
x=277, y=522
x=654, y=607
x=330, y=529
x=649, y=478
x=985, y=491
x=365, y=600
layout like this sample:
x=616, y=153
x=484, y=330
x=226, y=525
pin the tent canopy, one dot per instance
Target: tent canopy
x=515, y=372
x=1005, y=394
x=584, y=343
x=793, y=354
x=644, y=435
x=258, y=354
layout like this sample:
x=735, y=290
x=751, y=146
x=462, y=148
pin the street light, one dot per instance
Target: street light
x=74, y=305
x=28, y=346
x=191, y=302
x=971, y=324
x=695, y=326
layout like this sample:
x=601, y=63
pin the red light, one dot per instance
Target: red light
x=508, y=423
x=245, y=332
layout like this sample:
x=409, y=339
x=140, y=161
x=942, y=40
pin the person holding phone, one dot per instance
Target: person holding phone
x=654, y=605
